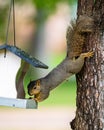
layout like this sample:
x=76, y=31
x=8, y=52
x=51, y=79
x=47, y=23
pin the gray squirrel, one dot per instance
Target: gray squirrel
x=72, y=64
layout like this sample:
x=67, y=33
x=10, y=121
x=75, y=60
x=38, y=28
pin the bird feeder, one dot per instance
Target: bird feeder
x=12, y=102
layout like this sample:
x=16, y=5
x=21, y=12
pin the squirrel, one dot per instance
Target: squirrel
x=72, y=64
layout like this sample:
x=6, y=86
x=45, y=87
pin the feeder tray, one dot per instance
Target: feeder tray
x=18, y=103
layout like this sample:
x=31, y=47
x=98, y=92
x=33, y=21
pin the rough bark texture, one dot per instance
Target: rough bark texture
x=90, y=81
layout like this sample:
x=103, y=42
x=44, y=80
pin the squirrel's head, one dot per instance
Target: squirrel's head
x=34, y=87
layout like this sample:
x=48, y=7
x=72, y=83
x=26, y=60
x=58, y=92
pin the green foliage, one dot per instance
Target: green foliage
x=46, y=7
x=50, y=4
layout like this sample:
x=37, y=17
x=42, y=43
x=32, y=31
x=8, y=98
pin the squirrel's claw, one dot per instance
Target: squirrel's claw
x=87, y=54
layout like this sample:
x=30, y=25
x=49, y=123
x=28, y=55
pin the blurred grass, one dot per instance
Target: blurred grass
x=63, y=95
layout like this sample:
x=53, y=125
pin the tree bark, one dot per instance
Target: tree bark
x=90, y=81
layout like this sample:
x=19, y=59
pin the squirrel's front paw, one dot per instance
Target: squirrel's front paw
x=41, y=96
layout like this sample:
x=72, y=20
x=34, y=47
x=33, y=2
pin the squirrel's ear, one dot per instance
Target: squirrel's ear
x=38, y=83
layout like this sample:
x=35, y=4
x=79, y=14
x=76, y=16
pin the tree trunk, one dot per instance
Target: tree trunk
x=90, y=81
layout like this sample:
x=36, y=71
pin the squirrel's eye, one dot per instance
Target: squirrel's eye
x=34, y=87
